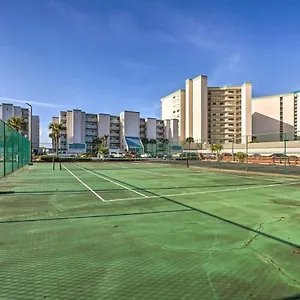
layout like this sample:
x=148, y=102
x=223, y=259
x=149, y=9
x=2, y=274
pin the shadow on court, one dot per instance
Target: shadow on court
x=202, y=211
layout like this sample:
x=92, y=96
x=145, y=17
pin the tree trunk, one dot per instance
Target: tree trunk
x=56, y=146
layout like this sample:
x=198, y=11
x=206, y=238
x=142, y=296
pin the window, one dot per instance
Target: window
x=222, y=103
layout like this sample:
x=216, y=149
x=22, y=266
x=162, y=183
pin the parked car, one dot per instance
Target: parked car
x=255, y=155
x=226, y=154
x=146, y=155
x=278, y=155
x=117, y=155
x=167, y=156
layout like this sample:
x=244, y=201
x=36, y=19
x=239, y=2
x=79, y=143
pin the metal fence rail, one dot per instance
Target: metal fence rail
x=14, y=150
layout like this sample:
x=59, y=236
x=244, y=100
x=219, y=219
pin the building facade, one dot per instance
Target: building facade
x=276, y=115
x=173, y=107
x=210, y=114
x=8, y=111
x=124, y=132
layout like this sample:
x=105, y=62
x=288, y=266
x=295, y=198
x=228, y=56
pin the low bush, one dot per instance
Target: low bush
x=49, y=158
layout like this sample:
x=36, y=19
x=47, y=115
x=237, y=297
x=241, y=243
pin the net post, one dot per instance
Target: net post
x=284, y=152
x=53, y=164
x=187, y=162
x=60, y=163
x=247, y=152
x=4, y=148
x=232, y=149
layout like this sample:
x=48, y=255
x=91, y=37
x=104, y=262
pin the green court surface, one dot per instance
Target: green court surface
x=117, y=231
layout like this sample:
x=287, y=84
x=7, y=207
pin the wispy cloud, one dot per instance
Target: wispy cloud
x=138, y=68
x=3, y=89
x=227, y=70
x=43, y=104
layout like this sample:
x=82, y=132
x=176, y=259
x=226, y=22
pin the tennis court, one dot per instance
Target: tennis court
x=137, y=230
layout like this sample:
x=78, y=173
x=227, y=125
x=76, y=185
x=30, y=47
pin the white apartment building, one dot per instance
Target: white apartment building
x=274, y=115
x=173, y=107
x=8, y=111
x=124, y=132
x=210, y=114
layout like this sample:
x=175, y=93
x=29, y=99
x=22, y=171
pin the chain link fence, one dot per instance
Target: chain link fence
x=14, y=150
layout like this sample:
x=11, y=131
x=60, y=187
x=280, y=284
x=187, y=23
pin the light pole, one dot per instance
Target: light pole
x=30, y=130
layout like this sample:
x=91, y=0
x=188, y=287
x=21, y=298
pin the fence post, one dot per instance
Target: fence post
x=12, y=152
x=18, y=152
x=4, y=149
x=284, y=152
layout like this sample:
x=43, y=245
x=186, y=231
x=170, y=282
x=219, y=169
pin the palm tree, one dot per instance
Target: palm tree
x=56, y=129
x=18, y=123
x=96, y=144
x=104, y=140
x=153, y=142
x=216, y=148
x=165, y=143
x=145, y=143
x=190, y=140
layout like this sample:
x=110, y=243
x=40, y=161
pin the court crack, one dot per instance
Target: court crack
x=250, y=240
x=276, y=266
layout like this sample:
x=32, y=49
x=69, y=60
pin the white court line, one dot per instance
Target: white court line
x=207, y=192
x=85, y=184
x=111, y=181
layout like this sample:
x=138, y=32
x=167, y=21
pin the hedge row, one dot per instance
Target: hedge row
x=48, y=158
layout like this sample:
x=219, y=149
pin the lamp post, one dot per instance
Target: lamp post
x=30, y=130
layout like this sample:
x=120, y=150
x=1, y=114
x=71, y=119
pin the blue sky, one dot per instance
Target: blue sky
x=111, y=55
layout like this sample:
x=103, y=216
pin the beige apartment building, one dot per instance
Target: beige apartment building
x=210, y=114
x=275, y=115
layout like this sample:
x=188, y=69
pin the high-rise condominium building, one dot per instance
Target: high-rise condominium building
x=276, y=115
x=210, y=114
x=8, y=111
x=124, y=132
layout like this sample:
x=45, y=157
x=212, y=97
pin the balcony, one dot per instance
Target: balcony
x=90, y=126
x=114, y=120
x=114, y=134
x=91, y=133
x=114, y=127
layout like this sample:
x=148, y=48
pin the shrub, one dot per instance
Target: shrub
x=49, y=158
x=241, y=156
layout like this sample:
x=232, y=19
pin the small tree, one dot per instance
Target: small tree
x=216, y=148
x=254, y=140
x=56, y=130
x=18, y=123
x=190, y=140
x=103, y=150
x=241, y=156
